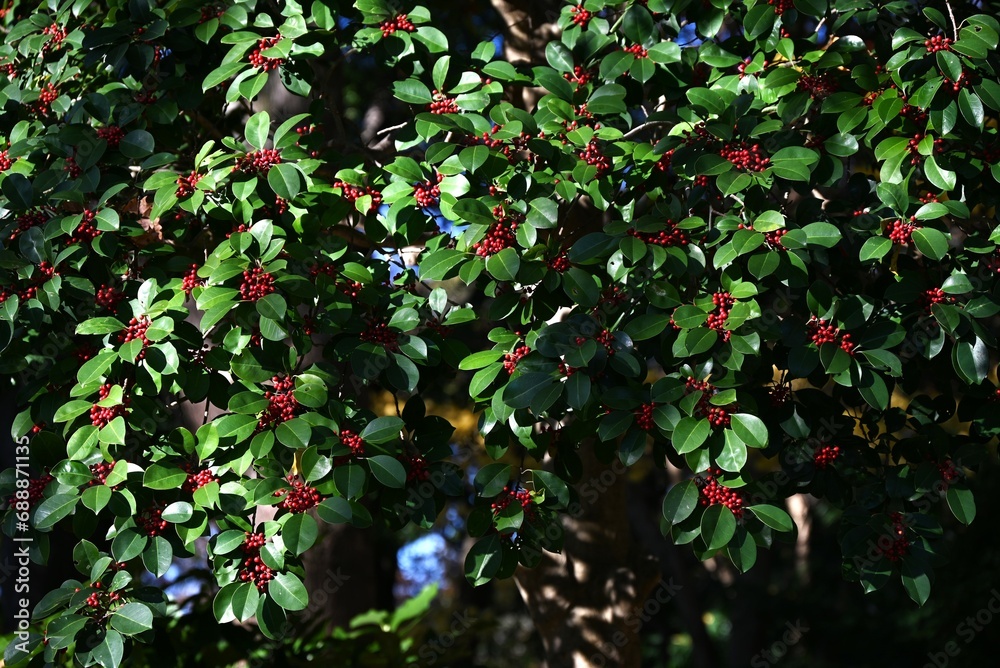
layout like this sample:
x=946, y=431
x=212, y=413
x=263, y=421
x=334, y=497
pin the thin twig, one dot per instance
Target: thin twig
x=639, y=128
x=951, y=15
x=385, y=131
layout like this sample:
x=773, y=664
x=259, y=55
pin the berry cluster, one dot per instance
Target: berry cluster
x=36, y=490
x=870, y=97
x=712, y=493
x=636, y=50
x=606, y=339
x=46, y=97
x=580, y=76
x=773, y=239
x=379, y=333
x=280, y=205
x=781, y=6
x=212, y=11
x=352, y=441
x=592, y=156
x=499, y=236
x=281, y=403
x=102, y=600
x=428, y=193
x=258, y=161
x=511, y=359
x=399, y=22
x=257, y=284
x=416, y=469
x=263, y=62
x=938, y=43
x=101, y=416
x=668, y=237
x=151, y=521
x=949, y=472
x=71, y=167
x=913, y=146
x=5, y=161
x=108, y=297
x=56, y=35
x=442, y=104
x=191, y=279
x=825, y=455
x=135, y=330
x=10, y=69
x=186, y=184
x=197, y=478
x=521, y=495
x=818, y=86
x=299, y=497
x=581, y=16
x=929, y=298
x=716, y=415
x=745, y=156
x=565, y=369
x=32, y=218
x=644, y=416
x=895, y=545
x=560, y=263
x=86, y=231
x=353, y=193
x=723, y=302
x=900, y=232
x=779, y=395
x=821, y=331
x=111, y=134
x=253, y=568
x=100, y=471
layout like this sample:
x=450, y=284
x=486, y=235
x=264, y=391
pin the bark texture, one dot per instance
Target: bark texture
x=587, y=602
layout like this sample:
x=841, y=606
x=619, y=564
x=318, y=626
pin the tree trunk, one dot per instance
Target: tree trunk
x=589, y=602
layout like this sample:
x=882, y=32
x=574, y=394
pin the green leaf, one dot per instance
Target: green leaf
x=335, y=510
x=750, y=429
x=875, y=248
x=962, y=504
x=492, y=478
x=18, y=191
x=941, y=178
x=680, y=501
x=504, y=265
x=132, y=618
x=438, y=265
x=690, y=433
x=128, y=545
x=178, y=512
x=718, y=526
x=288, y=591
x=53, y=509
x=822, y=234
x=257, y=129
x=971, y=360
x=382, y=430
x=483, y=560
x=159, y=556
x=932, y=243
x=111, y=650
x=299, y=532
x=136, y=144
x=285, y=180
x=646, y=326
x=388, y=471
x=158, y=476
x=772, y=516
x=521, y=391
x=480, y=359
